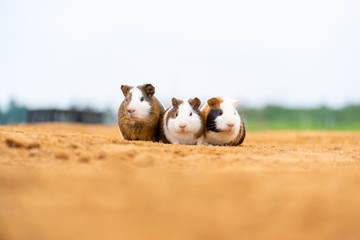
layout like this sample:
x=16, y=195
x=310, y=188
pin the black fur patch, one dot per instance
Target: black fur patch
x=210, y=120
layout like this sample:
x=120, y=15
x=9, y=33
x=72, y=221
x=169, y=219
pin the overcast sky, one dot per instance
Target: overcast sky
x=294, y=53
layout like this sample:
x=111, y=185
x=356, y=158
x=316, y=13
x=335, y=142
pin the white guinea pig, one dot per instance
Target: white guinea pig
x=139, y=113
x=223, y=123
x=183, y=123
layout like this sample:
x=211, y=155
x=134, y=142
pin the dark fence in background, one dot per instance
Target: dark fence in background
x=55, y=115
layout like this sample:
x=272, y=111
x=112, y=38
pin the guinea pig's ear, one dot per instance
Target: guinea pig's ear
x=195, y=103
x=175, y=102
x=125, y=89
x=236, y=103
x=149, y=90
x=213, y=102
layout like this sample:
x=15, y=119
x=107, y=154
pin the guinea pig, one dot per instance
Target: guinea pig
x=182, y=123
x=224, y=125
x=139, y=113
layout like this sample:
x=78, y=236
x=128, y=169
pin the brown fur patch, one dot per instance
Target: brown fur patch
x=148, y=90
x=215, y=102
x=126, y=103
x=176, y=102
x=140, y=129
x=125, y=89
x=195, y=103
x=172, y=113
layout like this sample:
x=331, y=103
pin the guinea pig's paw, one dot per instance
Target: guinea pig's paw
x=200, y=140
x=199, y=143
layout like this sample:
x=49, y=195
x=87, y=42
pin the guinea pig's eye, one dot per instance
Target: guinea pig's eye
x=126, y=99
x=190, y=114
x=220, y=112
x=176, y=115
x=142, y=99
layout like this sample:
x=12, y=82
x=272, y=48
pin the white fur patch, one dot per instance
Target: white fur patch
x=220, y=138
x=142, y=108
x=174, y=133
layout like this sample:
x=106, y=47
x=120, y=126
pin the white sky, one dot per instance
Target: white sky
x=294, y=53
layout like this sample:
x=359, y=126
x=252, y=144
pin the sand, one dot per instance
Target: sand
x=73, y=181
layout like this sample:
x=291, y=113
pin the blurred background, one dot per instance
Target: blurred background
x=292, y=64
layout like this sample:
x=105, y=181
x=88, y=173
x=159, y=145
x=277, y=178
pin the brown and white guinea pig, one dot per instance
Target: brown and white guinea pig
x=139, y=113
x=183, y=123
x=224, y=125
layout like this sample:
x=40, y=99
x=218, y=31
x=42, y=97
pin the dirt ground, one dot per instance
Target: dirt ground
x=72, y=181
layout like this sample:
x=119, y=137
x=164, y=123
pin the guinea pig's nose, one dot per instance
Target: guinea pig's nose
x=182, y=126
x=230, y=125
x=131, y=110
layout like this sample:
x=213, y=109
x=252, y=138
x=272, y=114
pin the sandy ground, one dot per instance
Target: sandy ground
x=68, y=181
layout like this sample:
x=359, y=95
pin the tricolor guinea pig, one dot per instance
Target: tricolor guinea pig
x=182, y=123
x=139, y=113
x=223, y=123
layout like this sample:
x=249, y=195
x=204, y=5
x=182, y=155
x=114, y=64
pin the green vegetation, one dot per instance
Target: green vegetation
x=15, y=114
x=256, y=119
x=322, y=118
